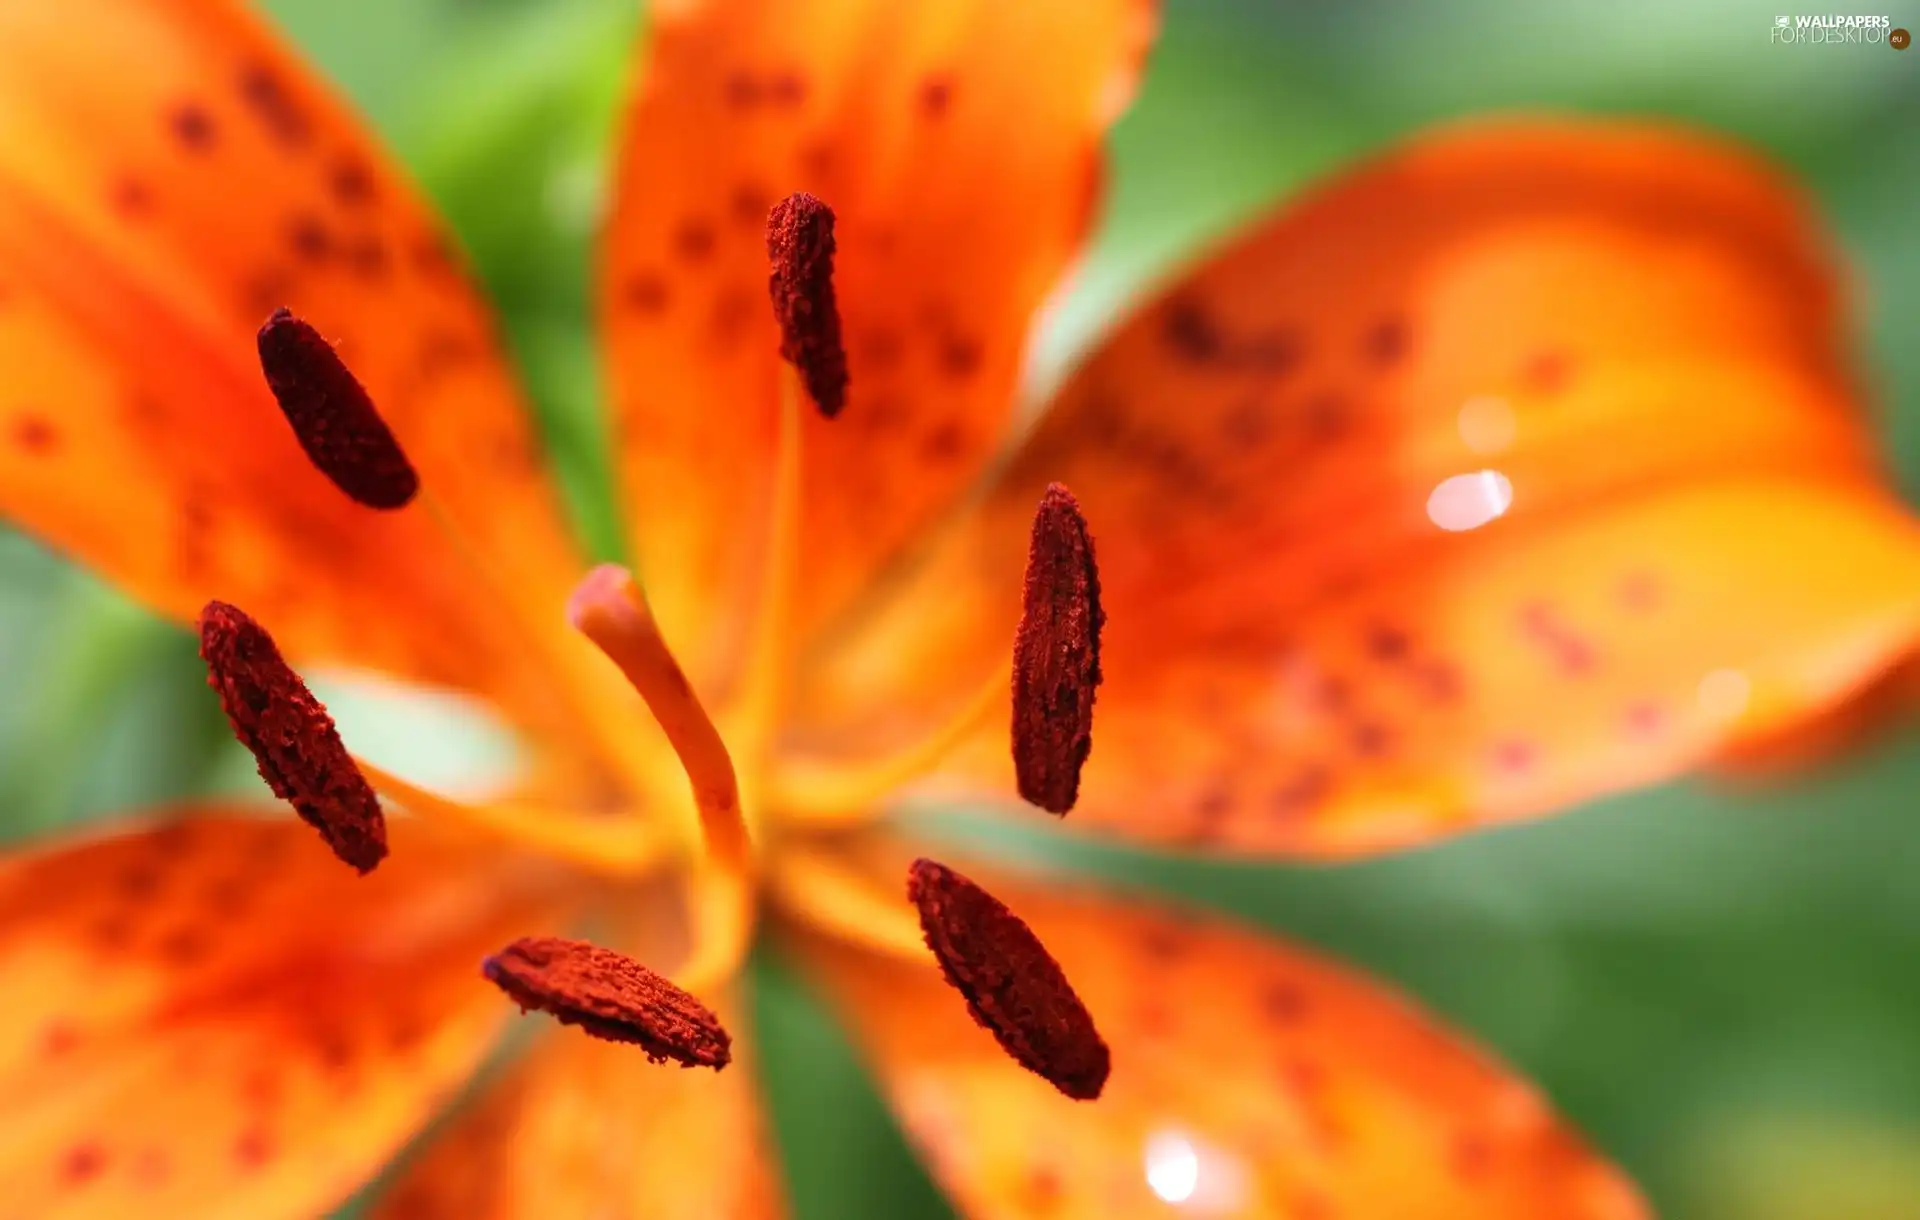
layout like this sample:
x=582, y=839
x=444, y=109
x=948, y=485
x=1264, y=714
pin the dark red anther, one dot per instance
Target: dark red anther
x=1056, y=655
x=610, y=996
x=800, y=245
x=332, y=415
x=1011, y=984
x=291, y=736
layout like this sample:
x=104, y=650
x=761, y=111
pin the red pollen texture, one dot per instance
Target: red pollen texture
x=332, y=415
x=800, y=246
x=610, y=996
x=1012, y=985
x=291, y=736
x=1056, y=655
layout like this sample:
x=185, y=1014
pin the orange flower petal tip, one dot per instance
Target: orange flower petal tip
x=332, y=415
x=290, y=736
x=1012, y=985
x=610, y=996
x=800, y=246
x=1056, y=655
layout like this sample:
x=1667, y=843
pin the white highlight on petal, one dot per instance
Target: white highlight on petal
x=1723, y=694
x=1200, y=1179
x=1487, y=425
x=1469, y=501
x=1173, y=1167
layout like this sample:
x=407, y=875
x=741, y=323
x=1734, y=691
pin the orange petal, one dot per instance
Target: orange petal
x=1453, y=494
x=1249, y=1079
x=584, y=1129
x=167, y=180
x=958, y=143
x=216, y=1019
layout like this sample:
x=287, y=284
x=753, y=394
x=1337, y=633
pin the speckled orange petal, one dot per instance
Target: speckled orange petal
x=214, y=1019
x=958, y=143
x=583, y=1129
x=1516, y=467
x=169, y=175
x=1249, y=1079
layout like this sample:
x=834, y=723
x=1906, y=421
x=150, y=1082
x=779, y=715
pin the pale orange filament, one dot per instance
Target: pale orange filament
x=622, y=740
x=826, y=794
x=813, y=887
x=610, y=848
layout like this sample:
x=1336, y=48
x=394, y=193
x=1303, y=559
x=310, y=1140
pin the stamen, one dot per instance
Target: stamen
x=755, y=715
x=1012, y=985
x=838, y=794
x=610, y=996
x=332, y=415
x=817, y=888
x=800, y=246
x=290, y=735
x=604, y=847
x=1056, y=655
x=609, y=608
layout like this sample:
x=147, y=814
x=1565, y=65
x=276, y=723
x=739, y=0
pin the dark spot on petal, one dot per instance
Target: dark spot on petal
x=741, y=89
x=308, y=239
x=1471, y=1156
x=960, y=356
x=786, y=90
x=1387, y=643
x=253, y=1149
x=82, y=1163
x=192, y=125
x=936, y=95
x=35, y=434
x=694, y=240
x=1248, y=423
x=1327, y=415
x=816, y=163
x=186, y=946
x=879, y=349
x=1370, y=739
x=113, y=934
x=748, y=203
x=1191, y=334
x=1386, y=342
x=274, y=107
x=1547, y=372
x=1301, y=794
x=132, y=199
x=1640, y=592
x=434, y=256
x=1514, y=757
x=1645, y=719
x=1439, y=681
x=1284, y=1002
x=351, y=183
x=1163, y=943
x=944, y=443
x=59, y=1039
x=140, y=881
x=367, y=256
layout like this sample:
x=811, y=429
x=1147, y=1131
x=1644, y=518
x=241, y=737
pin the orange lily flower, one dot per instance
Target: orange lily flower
x=1518, y=466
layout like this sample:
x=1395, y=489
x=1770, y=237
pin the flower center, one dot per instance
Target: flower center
x=1009, y=982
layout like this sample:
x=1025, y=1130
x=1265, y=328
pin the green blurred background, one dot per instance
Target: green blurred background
x=1720, y=988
